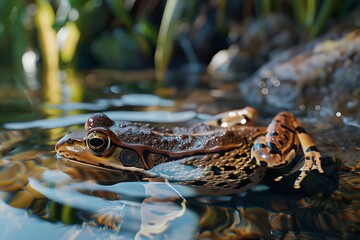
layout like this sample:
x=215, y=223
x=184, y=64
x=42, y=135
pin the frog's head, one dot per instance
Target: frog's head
x=100, y=144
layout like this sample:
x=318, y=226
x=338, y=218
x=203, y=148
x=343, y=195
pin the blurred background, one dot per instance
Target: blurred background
x=51, y=50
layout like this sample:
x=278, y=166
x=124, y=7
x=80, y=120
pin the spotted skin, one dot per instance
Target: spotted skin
x=223, y=156
x=278, y=147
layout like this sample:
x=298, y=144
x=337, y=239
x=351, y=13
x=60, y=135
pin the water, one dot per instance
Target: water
x=42, y=197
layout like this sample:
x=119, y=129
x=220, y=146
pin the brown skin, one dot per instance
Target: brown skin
x=219, y=154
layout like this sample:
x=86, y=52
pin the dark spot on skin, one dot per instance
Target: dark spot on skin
x=273, y=133
x=232, y=176
x=263, y=163
x=273, y=148
x=229, y=168
x=294, y=146
x=258, y=146
x=248, y=171
x=244, y=155
x=287, y=128
x=286, y=137
x=312, y=148
x=281, y=142
x=199, y=183
x=221, y=154
x=307, y=158
x=216, y=170
x=300, y=130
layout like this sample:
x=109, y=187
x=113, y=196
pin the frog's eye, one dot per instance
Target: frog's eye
x=98, y=141
x=128, y=157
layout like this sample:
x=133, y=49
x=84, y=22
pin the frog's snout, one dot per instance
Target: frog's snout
x=59, y=144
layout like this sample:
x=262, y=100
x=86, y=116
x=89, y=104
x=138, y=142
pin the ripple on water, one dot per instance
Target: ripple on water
x=137, y=116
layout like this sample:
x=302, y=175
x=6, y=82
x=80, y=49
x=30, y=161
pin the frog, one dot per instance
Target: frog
x=224, y=155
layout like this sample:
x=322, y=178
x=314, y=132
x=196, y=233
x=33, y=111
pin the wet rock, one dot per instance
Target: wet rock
x=344, y=91
x=322, y=72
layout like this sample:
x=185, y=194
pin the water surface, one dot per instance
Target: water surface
x=65, y=197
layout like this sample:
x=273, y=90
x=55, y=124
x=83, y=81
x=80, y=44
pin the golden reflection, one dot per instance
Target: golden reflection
x=52, y=90
x=60, y=87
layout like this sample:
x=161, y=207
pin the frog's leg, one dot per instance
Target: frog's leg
x=311, y=153
x=278, y=147
x=228, y=119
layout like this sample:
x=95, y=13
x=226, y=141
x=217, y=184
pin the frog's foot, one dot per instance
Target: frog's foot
x=312, y=161
x=242, y=117
x=296, y=168
x=312, y=157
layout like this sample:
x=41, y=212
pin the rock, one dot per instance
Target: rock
x=320, y=73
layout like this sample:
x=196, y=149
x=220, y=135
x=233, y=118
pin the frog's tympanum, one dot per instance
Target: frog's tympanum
x=223, y=156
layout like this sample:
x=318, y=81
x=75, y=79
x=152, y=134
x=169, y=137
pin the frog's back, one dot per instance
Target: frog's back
x=177, y=139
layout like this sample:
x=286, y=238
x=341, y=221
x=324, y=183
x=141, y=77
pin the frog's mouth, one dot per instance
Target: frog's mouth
x=100, y=174
x=77, y=162
x=95, y=165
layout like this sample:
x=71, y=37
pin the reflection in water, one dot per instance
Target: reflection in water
x=160, y=210
x=40, y=196
x=111, y=204
x=154, y=116
x=143, y=100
